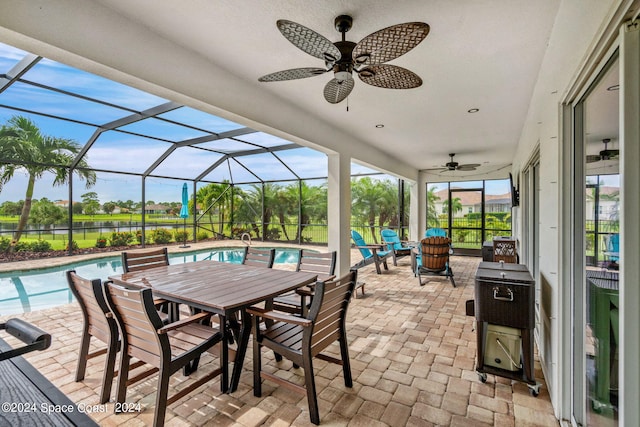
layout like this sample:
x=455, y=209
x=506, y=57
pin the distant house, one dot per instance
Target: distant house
x=156, y=209
x=62, y=203
x=471, y=202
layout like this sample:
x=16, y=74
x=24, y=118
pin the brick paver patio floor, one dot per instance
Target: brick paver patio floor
x=412, y=355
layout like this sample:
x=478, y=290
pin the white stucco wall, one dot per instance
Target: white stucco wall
x=578, y=24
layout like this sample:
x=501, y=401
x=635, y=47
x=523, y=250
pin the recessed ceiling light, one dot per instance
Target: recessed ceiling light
x=614, y=87
x=473, y=110
x=380, y=126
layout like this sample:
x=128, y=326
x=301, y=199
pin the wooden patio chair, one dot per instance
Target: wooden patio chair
x=505, y=250
x=433, y=258
x=299, y=339
x=259, y=257
x=324, y=264
x=143, y=260
x=98, y=322
x=167, y=348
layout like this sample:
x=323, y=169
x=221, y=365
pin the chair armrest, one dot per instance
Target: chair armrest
x=180, y=323
x=379, y=246
x=306, y=292
x=159, y=301
x=34, y=337
x=279, y=316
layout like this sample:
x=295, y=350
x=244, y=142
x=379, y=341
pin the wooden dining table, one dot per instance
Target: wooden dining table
x=220, y=288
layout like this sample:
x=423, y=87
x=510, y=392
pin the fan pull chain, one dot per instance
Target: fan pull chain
x=347, y=103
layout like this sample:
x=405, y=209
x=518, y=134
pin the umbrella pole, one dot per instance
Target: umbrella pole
x=184, y=234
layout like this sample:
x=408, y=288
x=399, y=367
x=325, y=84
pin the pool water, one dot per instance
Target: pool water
x=30, y=290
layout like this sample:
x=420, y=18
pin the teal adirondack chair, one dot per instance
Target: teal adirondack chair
x=370, y=253
x=397, y=248
x=435, y=232
x=433, y=258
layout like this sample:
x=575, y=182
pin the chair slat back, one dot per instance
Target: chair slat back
x=328, y=311
x=391, y=237
x=259, y=257
x=93, y=305
x=143, y=260
x=359, y=241
x=504, y=250
x=435, y=253
x=324, y=264
x=139, y=321
x=435, y=232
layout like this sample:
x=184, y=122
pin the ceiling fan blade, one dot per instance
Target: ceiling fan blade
x=309, y=41
x=336, y=91
x=390, y=77
x=592, y=158
x=468, y=167
x=389, y=43
x=292, y=74
x=609, y=154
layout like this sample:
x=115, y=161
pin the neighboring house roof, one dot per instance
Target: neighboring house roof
x=468, y=198
x=156, y=208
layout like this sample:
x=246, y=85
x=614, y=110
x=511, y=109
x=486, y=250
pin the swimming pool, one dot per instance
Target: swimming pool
x=30, y=290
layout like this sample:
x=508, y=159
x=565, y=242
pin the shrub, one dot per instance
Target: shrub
x=5, y=243
x=40, y=246
x=237, y=232
x=121, y=238
x=74, y=246
x=272, y=234
x=139, y=236
x=181, y=235
x=22, y=247
x=161, y=235
x=202, y=235
x=101, y=242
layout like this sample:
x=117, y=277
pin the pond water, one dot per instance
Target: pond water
x=30, y=290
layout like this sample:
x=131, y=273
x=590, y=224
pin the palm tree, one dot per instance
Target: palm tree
x=432, y=215
x=286, y=202
x=367, y=196
x=28, y=149
x=313, y=204
x=456, y=205
x=220, y=194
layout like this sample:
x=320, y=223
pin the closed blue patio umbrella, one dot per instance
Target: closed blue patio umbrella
x=184, y=212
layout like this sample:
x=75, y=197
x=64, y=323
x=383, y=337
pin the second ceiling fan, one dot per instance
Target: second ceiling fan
x=452, y=165
x=366, y=58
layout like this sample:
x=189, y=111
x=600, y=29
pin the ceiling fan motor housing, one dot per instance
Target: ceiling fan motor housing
x=343, y=68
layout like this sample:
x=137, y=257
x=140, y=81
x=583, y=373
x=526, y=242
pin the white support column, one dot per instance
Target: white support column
x=629, y=368
x=339, y=209
x=422, y=205
x=416, y=210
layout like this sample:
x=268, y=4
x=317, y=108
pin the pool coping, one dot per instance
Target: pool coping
x=63, y=260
